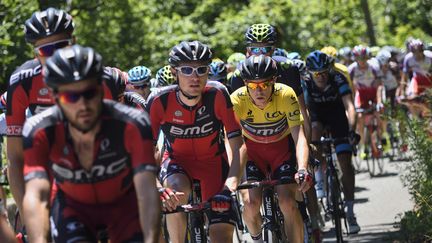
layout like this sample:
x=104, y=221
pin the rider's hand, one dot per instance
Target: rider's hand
x=221, y=202
x=170, y=198
x=305, y=177
x=354, y=138
x=231, y=183
x=380, y=107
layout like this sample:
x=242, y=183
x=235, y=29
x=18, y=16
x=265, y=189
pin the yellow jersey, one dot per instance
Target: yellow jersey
x=344, y=70
x=272, y=123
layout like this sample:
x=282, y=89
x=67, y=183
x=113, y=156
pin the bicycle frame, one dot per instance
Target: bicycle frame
x=196, y=218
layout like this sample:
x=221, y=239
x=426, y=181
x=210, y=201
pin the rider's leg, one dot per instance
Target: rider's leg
x=292, y=217
x=176, y=223
x=221, y=233
x=251, y=213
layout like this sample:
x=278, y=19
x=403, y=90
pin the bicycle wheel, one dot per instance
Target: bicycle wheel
x=337, y=207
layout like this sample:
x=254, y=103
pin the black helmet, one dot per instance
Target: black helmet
x=261, y=33
x=318, y=61
x=72, y=64
x=189, y=51
x=258, y=67
x=46, y=23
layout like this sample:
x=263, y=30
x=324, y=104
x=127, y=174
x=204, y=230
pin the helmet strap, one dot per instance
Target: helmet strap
x=188, y=96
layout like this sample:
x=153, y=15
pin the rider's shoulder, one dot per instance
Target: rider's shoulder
x=47, y=118
x=26, y=71
x=126, y=113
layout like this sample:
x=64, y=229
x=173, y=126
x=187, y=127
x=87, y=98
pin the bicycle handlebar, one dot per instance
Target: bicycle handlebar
x=190, y=208
x=266, y=183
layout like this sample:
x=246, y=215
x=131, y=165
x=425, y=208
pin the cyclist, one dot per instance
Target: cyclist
x=218, y=72
x=268, y=113
x=417, y=65
x=367, y=86
x=345, y=55
x=47, y=31
x=138, y=87
x=233, y=62
x=100, y=154
x=332, y=52
x=280, y=52
x=388, y=77
x=191, y=116
x=330, y=104
x=164, y=76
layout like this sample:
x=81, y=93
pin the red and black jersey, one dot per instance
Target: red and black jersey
x=123, y=147
x=28, y=90
x=193, y=133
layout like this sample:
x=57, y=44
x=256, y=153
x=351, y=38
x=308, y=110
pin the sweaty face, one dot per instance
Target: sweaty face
x=320, y=78
x=81, y=103
x=260, y=91
x=192, y=83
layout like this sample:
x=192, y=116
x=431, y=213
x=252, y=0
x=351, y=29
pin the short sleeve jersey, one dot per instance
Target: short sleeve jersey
x=123, y=147
x=272, y=123
x=417, y=67
x=27, y=90
x=330, y=96
x=288, y=74
x=193, y=133
x=363, y=78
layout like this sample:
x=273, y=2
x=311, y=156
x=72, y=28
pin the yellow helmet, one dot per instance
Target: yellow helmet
x=329, y=50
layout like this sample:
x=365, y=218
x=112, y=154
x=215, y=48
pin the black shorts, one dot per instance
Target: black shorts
x=335, y=119
x=72, y=221
x=210, y=185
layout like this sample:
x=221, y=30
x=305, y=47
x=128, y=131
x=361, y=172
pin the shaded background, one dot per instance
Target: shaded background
x=133, y=32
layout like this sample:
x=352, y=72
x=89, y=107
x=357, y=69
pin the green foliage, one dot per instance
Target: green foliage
x=416, y=225
x=134, y=32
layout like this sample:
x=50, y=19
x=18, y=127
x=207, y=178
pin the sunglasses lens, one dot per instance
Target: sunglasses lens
x=70, y=97
x=186, y=70
x=202, y=70
x=48, y=50
x=260, y=50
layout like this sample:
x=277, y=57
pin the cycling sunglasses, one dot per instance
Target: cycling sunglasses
x=48, y=50
x=188, y=71
x=141, y=86
x=262, y=85
x=73, y=97
x=319, y=73
x=256, y=50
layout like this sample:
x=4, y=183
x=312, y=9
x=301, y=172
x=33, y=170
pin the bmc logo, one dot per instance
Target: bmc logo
x=97, y=172
x=192, y=131
x=26, y=73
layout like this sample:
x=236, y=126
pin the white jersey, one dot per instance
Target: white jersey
x=422, y=68
x=363, y=78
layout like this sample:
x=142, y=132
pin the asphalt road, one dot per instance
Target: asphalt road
x=379, y=202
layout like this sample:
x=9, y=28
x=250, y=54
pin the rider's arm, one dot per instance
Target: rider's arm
x=306, y=119
x=139, y=144
x=6, y=233
x=302, y=150
x=237, y=149
x=148, y=204
x=237, y=161
x=15, y=157
x=350, y=111
x=36, y=209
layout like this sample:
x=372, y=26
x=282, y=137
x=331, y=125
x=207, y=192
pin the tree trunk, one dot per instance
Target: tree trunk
x=370, y=30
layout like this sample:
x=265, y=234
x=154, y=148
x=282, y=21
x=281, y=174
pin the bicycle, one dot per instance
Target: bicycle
x=334, y=206
x=372, y=140
x=197, y=232
x=273, y=221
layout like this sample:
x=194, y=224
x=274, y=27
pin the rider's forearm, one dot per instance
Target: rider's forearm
x=302, y=150
x=15, y=169
x=36, y=211
x=306, y=119
x=237, y=161
x=148, y=205
x=350, y=111
x=380, y=90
